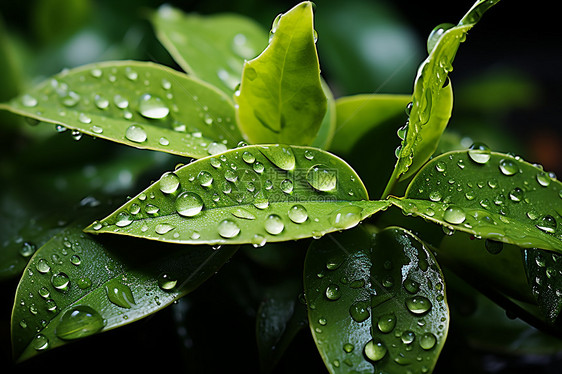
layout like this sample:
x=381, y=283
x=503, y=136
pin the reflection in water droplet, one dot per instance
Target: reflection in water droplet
x=60, y=281
x=163, y=228
x=333, y=292
x=387, y=323
x=547, y=224
x=359, y=311
x=508, y=167
x=286, y=186
x=40, y=342
x=123, y=219
x=543, y=179
x=454, y=215
x=428, y=341
x=79, y=322
x=188, y=204
x=205, y=178
x=408, y=337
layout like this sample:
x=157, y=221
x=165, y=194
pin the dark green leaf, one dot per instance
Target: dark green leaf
x=140, y=104
x=253, y=194
x=213, y=47
x=491, y=195
x=375, y=300
x=544, y=271
x=281, y=99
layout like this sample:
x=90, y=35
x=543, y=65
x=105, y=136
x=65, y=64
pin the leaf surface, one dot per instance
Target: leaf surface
x=252, y=194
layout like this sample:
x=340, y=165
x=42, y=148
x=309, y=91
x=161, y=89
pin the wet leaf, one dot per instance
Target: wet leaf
x=491, y=195
x=135, y=103
x=212, y=47
x=77, y=285
x=281, y=99
x=375, y=302
x=249, y=195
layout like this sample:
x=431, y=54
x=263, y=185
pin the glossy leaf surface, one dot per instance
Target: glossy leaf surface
x=491, y=195
x=212, y=48
x=431, y=103
x=140, y=104
x=253, y=194
x=281, y=99
x=376, y=302
x=76, y=286
x=544, y=271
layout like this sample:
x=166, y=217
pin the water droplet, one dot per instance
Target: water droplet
x=230, y=175
x=169, y=183
x=101, y=102
x=131, y=74
x=408, y=337
x=333, y=292
x=440, y=166
x=347, y=217
x=427, y=341
x=96, y=73
x=228, y=229
x=248, y=157
x=120, y=101
x=401, y=132
x=547, y=224
x=136, y=133
x=543, y=179
x=508, y=167
x=258, y=167
x=411, y=285
x=435, y=195
x=516, y=195
x=84, y=283
x=322, y=178
x=258, y=241
x=163, y=228
x=281, y=156
x=436, y=34
x=79, y=322
x=387, y=323
x=42, y=266
x=70, y=99
x=123, y=219
x=152, y=107
x=286, y=186
x=243, y=213
x=297, y=213
x=60, y=281
x=29, y=101
x=40, y=342
x=274, y=224
x=215, y=148
x=27, y=249
x=375, y=350
x=479, y=153
x=119, y=294
x=348, y=347
x=454, y=214
x=151, y=209
x=418, y=304
x=359, y=311
x=166, y=283
x=493, y=247
x=188, y=204
x=205, y=178
x=75, y=260
x=250, y=73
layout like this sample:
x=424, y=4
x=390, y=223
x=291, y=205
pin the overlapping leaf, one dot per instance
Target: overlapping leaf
x=140, y=104
x=491, y=195
x=376, y=302
x=253, y=194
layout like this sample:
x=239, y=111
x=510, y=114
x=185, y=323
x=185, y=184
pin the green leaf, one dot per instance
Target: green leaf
x=375, y=300
x=212, y=47
x=359, y=114
x=431, y=103
x=76, y=286
x=544, y=272
x=253, y=194
x=140, y=104
x=281, y=99
x=490, y=195
x=327, y=130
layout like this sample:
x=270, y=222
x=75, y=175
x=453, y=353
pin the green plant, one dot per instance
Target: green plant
x=268, y=172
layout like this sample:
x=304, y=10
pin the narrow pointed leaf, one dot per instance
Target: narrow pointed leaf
x=253, y=194
x=140, y=104
x=491, y=195
x=281, y=99
x=431, y=103
x=212, y=48
x=376, y=302
x=76, y=286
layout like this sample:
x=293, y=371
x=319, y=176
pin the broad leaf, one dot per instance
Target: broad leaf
x=431, y=103
x=76, y=286
x=212, y=48
x=490, y=195
x=359, y=114
x=375, y=301
x=544, y=271
x=281, y=99
x=140, y=104
x=327, y=130
x=253, y=194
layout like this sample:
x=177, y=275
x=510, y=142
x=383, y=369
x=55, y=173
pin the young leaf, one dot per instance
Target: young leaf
x=327, y=130
x=212, y=48
x=491, y=195
x=281, y=99
x=358, y=114
x=76, y=286
x=140, y=104
x=431, y=103
x=253, y=194
x=375, y=300
x=545, y=278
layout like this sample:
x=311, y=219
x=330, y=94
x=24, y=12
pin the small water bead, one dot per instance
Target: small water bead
x=79, y=322
x=418, y=304
x=454, y=215
x=120, y=101
x=205, y=178
x=60, y=128
x=27, y=249
x=215, y=148
x=84, y=283
x=333, y=292
x=322, y=178
x=44, y=292
x=70, y=99
x=166, y=283
x=508, y=167
x=188, y=204
x=136, y=133
x=547, y=224
x=435, y=196
x=258, y=241
x=163, y=228
x=375, y=350
x=169, y=183
x=440, y=166
x=479, y=153
x=230, y=175
x=151, y=209
x=228, y=229
x=286, y=186
x=347, y=217
x=386, y=323
x=243, y=214
x=348, y=347
x=261, y=203
x=60, y=281
x=401, y=132
x=427, y=341
x=42, y=266
x=248, y=157
x=274, y=224
x=75, y=260
x=96, y=73
x=543, y=179
x=131, y=74
x=123, y=219
x=40, y=342
x=359, y=311
x=215, y=162
x=408, y=337
x=436, y=34
x=258, y=167
x=298, y=213
x=96, y=129
x=411, y=285
x=152, y=107
x=101, y=102
x=166, y=84
x=76, y=135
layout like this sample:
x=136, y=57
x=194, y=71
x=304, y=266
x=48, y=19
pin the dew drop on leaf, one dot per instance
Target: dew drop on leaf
x=166, y=283
x=60, y=281
x=333, y=292
x=347, y=217
x=228, y=229
x=40, y=342
x=274, y=224
x=29, y=101
x=375, y=351
x=281, y=156
x=359, y=311
x=79, y=322
x=322, y=178
x=479, y=153
x=508, y=167
x=205, y=178
x=169, y=183
x=298, y=213
x=418, y=304
x=436, y=34
x=547, y=224
x=123, y=219
x=427, y=341
x=136, y=133
x=119, y=294
x=387, y=323
x=454, y=215
x=188, y=204
x=152, y=107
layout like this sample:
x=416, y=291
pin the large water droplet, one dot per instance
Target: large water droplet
x=297, y=213
x=428, y=341
x=547, y=224
x=543, y=179
x=42, y=266
x=387, y=323
x=333, y=292
x=79, y=322
x=454, y=214
x=152, y=107
x=280, y=155
x=408, y=337
x=286, y=186
x=274, y=224
x=479, y=153
x=375, y=350
x=436, y=34
x=28, y=101
x=166, y=283
x=40, y=342
x=322, y=178
x=508, y=167
x=60, y=281
x=123, y=219
x=169, y=183
x=347, y=217
x=359, y=311
x=205, y=178
x=188, y=204
x=228, y=229
x=418, y=304
x=119, y=294
x=136, y=133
